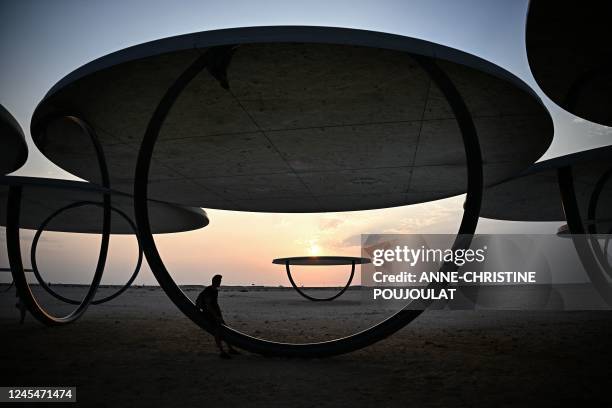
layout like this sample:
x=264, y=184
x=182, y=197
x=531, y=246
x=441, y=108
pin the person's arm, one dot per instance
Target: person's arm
x=199, y=302
x=214, y=310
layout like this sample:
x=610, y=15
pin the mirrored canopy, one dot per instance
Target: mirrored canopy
x=14, y=151
x=535, y=195
x=42, y=197
x=321, y=260
x=570, y=55
x=293, y=119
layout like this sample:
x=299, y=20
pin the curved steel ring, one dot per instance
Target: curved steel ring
x=14, y=248
x=320, y=349
x=600, y=253
x=606, y=245
x=23, y=288
x=568, y=195
x=583, y=246
x=315, y=299
x=56, y=295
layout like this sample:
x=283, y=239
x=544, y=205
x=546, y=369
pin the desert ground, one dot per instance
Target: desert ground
x=139, y=350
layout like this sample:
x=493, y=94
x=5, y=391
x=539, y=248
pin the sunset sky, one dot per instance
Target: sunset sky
x=41, y=42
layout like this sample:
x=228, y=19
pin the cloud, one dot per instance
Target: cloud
x=330, y=223
x=351, y=241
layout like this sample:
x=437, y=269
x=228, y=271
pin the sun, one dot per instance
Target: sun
x=314, y=250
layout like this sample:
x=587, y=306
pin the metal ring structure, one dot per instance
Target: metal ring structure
x=315, y=299
x=600, y=253
x=304, y=350
x=14, y=249
x=579, y=234
x=312, y=261
x=571, y=100
x=64, y=299
x=572, y=211
x=606, y=245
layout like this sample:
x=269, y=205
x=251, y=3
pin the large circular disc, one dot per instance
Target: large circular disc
x=14, y=151
x=321, y=260
x=570, y=55
x=535, y=195
x=294, y=119
x=41, y=197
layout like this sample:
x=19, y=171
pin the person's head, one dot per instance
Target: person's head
x=216, y=280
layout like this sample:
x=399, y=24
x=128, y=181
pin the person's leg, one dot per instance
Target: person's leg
x=217, y=335
x=219, y=343
x=230, y=348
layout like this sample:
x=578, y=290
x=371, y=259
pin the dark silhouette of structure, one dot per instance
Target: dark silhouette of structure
x=292, y=119
x=28, y=201
x=570, y=56
x=320, y=261
x=575, y=188
x=14, y=151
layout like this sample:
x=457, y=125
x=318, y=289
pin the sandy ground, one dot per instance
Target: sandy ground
x=140, y=351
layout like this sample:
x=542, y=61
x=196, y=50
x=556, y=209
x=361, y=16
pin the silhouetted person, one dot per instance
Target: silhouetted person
x=208, y=304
